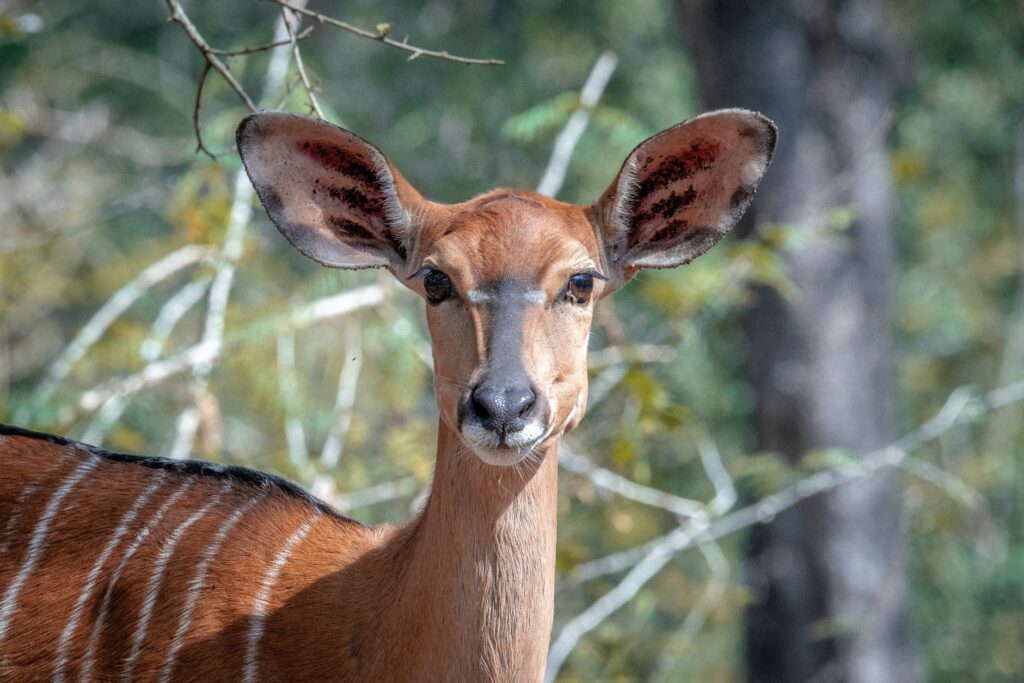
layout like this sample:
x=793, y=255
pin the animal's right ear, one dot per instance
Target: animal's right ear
x=333, y=195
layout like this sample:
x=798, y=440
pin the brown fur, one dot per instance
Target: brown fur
x=465, y=591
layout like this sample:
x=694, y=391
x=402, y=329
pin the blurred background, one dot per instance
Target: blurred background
x=803, y=456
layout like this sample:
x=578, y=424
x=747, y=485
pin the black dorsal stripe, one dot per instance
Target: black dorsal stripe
x=233, y=473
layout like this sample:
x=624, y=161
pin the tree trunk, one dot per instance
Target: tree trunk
x=828, y=575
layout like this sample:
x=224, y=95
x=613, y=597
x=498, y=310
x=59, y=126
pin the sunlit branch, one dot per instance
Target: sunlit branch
x=205, y=352
x=627, y=488
x=231, y=249
x=646, y=560
x=554, y=175
x=170, y=313
x=117, y=304
x=288, y=383
x=344, y=402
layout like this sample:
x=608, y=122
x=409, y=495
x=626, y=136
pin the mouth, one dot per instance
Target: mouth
x=502, y=448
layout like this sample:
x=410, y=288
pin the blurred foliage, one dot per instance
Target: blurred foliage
x=98, y=180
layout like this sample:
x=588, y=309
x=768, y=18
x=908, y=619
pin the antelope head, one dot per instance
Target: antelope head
x=510, y=277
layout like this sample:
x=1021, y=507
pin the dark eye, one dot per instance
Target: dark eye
x=437, y=285
x=580, y=287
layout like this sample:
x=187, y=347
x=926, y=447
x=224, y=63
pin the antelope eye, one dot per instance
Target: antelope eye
x=437, y=285
x=580, y=287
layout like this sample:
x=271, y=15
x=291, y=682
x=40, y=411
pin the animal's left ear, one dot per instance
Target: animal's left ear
x=680, y=191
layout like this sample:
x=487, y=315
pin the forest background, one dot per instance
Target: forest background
x=803, y=455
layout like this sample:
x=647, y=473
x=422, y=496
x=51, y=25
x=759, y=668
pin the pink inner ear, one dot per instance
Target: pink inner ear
x=667, y=186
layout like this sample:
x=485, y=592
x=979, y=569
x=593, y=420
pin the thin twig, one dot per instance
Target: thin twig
x=382, y=36
x=290, y=16
x=304, y=33
x=179, y=17
x=197, y=124
x=554, y=175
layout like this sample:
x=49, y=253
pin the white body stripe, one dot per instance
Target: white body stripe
x=76, y=613
x=35, y=546
x=260, y=604
x=97, y=628
x=155, y=580
x=196, y=585
x=12, y=521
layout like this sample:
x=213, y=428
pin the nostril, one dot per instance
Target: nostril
x=483, y=401
x=500, y=406
x=521, y=401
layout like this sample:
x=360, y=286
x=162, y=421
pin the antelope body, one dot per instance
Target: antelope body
x=117, y=567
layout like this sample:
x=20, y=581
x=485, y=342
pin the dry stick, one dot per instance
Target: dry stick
x=344, y=402
x=554, y=175
x=627, y=488
x=206, y=351
x=382, y=36
x=173, y=310
x=709, y=597
x=288, y=383
x=238, y=221
x=114, y=307
x=648, y=559
x=289, y=17
x=263, y=48
x=379, y=493
x=179, y=17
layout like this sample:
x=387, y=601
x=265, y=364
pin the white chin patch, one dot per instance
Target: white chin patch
x=517, y=446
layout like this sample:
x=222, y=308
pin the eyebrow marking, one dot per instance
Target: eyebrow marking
x=535, y=296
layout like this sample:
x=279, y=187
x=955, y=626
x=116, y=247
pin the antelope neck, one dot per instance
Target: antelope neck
x=482, y=557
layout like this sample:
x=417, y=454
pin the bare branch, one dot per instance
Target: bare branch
x=554, y=175
x=179, y=17
x=205, y=352
x=345, y=401
x=648, y=559
x=288, y=383
x=610, y=602
x=263, y=48
x=113, y=308
x=382, y=36
x=288, y=16
x=616, y=483
x=380, y=493
x=170, y=313
x=197, y=124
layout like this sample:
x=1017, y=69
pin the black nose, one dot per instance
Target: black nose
x=502, y=405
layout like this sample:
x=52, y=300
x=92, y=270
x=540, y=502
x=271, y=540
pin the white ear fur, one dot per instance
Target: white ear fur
x=680, y=191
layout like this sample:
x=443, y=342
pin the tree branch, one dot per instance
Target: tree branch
x=382, y=36
x=554, y=175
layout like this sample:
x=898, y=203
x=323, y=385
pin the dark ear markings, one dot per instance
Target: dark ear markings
x=351, y=198
x=700, y=157
x=668, y=206
x=344, y=227
x=671, y=230
x=334, y=158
